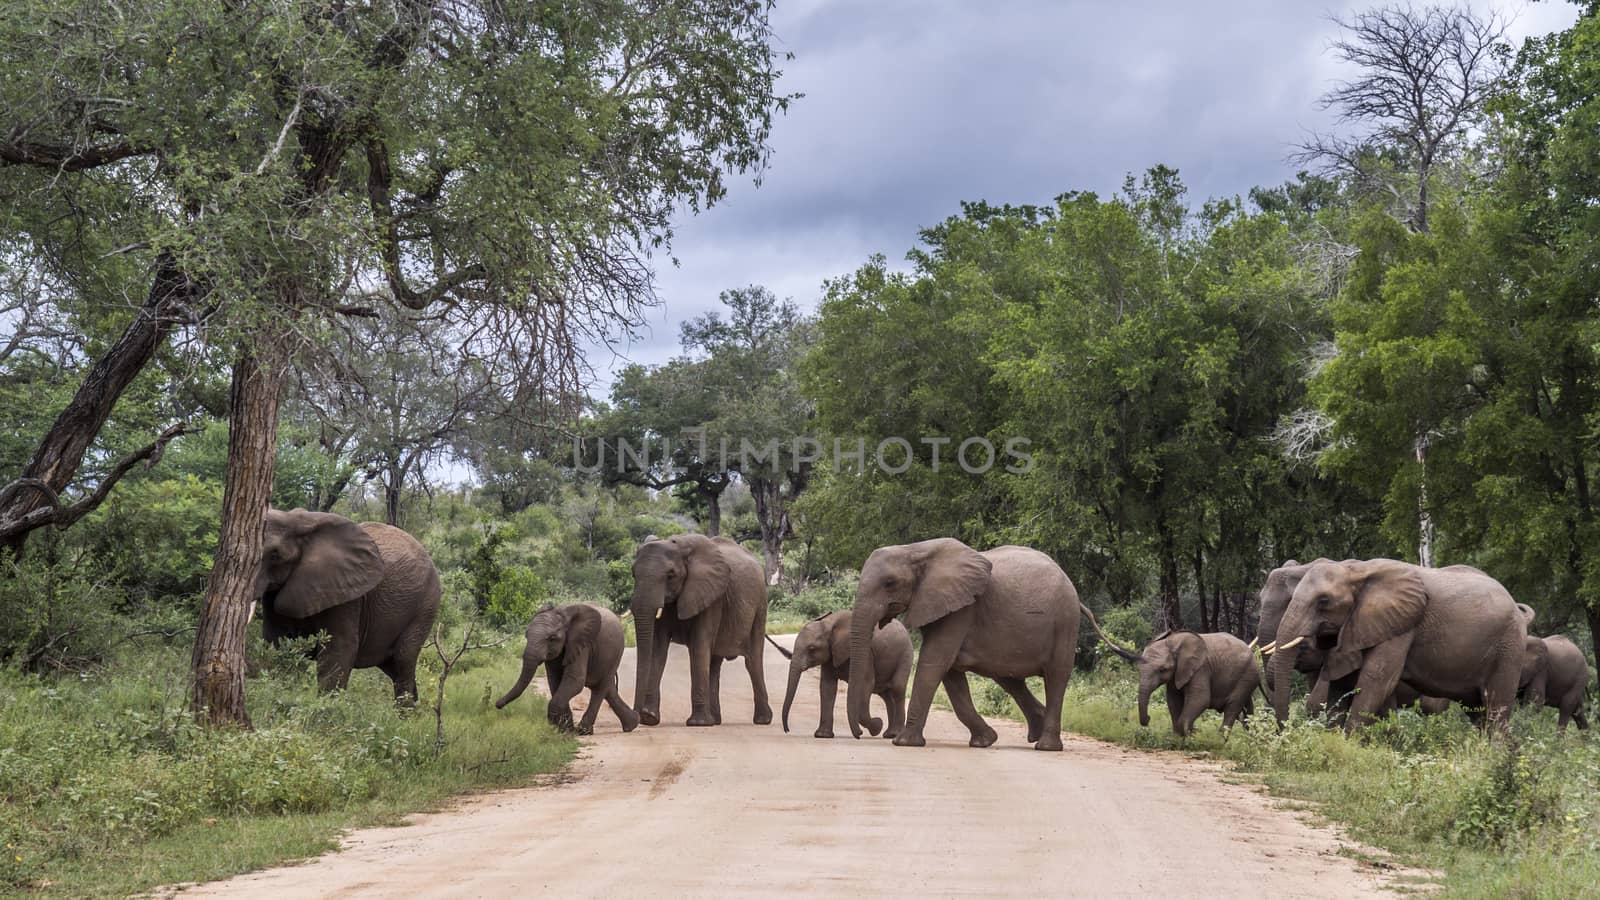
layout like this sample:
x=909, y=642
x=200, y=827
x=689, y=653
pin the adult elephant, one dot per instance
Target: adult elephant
x=370, y=587
x=1005, y=613
x=1274, y=598
x=709, y=594
x=1451, y=633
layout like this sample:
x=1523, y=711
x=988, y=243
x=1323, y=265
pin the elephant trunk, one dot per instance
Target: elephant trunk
x=1292, y=635
x=647, y=601
x=795, y=668
x=1147, y=685
x=530, y=665
x=862, y=622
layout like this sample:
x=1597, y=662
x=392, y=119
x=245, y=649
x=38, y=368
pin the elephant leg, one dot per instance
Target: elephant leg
x=403, y=672
x=1175, y=711
x=571, y=682
x=895, y=700
x=1380, y=675
x=650, y=707
x=714, y=697
x=1032, y=709
x=939, y=648
x=1055, y=691
x=586, y=725
x=334, y=662
x=754, y=665
x=625, y=715
x=829, y=693
x=700, y=638
x=1500, y=692
x=955, y=687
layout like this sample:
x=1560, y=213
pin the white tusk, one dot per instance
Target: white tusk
x=660, y=611
x=1253, y=642
x=626, y=615
x=1293, y=643
x=1268, y=649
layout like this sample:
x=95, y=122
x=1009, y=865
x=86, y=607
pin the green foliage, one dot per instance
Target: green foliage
x=57, y=611
x=787, y=611
x=95, y=769
x=515, y=597
x=1129, y=626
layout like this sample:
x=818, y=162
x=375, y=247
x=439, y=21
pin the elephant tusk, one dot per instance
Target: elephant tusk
x=659, y=612
x=1293, y=643
x=1253, y=642
x=626, y=615
x=1268, y=649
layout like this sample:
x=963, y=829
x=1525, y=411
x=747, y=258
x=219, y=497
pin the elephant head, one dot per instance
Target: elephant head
x=1175, y=658
x=312, y=561
x=926, y=581
x=1535, y=665
x=1274, y=597
x=1342, y=610
x=680, y=576
x=822, y=641
x=552, y=634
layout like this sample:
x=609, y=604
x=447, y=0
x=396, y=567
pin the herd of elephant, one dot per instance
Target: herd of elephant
x=1369, y=635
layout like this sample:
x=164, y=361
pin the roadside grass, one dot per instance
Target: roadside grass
x=1517, y=817
x=110, y=788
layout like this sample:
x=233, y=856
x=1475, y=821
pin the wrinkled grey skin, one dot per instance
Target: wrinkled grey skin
x=706, y=593
x=580, y=646
x=371, y=588
x=825, y=642
x=1555, y=673
x=1200, y=672
x=1452, y=633
x=1274, y=602
x=1005, y=613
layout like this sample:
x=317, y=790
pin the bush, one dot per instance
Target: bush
x=514, y=597
x=56, y=612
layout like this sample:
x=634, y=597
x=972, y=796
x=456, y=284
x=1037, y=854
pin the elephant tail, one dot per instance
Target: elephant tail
x=787, y=654
x=1128, y=655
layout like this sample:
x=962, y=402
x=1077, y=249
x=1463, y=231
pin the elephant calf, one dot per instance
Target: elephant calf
x=1201, y=671
x=825, y=642
x=1555, y=673
x=580, y=646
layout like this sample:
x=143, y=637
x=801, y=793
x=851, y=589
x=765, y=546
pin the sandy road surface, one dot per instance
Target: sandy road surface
x=740, y=810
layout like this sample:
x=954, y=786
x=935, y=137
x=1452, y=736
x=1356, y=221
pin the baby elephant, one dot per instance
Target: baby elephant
x=1555, y=673
x=580, y=646
x=1201, y=672
x=825, y=642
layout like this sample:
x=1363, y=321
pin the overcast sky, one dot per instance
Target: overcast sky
x=912, y=106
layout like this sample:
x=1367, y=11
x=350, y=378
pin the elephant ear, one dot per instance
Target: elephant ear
x=839, y=640
x=1192, y=660
x=1526, y=611
x=583, y=627
x=1535, y=656
x=339, y=562
x=1390, y=599
x=953, y=576
x=706, y=577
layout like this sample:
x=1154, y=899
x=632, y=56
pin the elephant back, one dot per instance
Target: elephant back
x=410, y=586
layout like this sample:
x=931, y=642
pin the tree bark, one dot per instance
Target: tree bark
x=1424, y=517
x=61, y=450
x=218, y=662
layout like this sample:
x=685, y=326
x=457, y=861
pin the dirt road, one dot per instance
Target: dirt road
x=742, y=811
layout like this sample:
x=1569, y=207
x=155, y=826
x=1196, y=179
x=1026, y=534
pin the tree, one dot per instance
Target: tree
x=510, y=163
x=1424, y=75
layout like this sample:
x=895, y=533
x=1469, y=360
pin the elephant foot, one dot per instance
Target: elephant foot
x=984, y=738
x=648, y=717
x=763, y=715
x=701, y=720
x=1035, y=730
x=1051, y=742
x=822, y=733
x=891, y=734
x=905, y=739
x=873, y=725
x=629, y=724
x=585, y=729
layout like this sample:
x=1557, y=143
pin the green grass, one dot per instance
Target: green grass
x=1517, y=817
x=109, y=788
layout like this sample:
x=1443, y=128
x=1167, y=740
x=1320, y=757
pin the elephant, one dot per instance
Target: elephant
x=825, y=642
x=580, y=646
x=1200, y=671
x=1453, y=633
x=1005, y=613
x=1274, y=602
x=369, y=586
x=709, y=594
x=1555, y=673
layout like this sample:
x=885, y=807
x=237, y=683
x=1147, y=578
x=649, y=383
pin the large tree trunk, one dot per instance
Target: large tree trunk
x=61, y=450
x=218, y=688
